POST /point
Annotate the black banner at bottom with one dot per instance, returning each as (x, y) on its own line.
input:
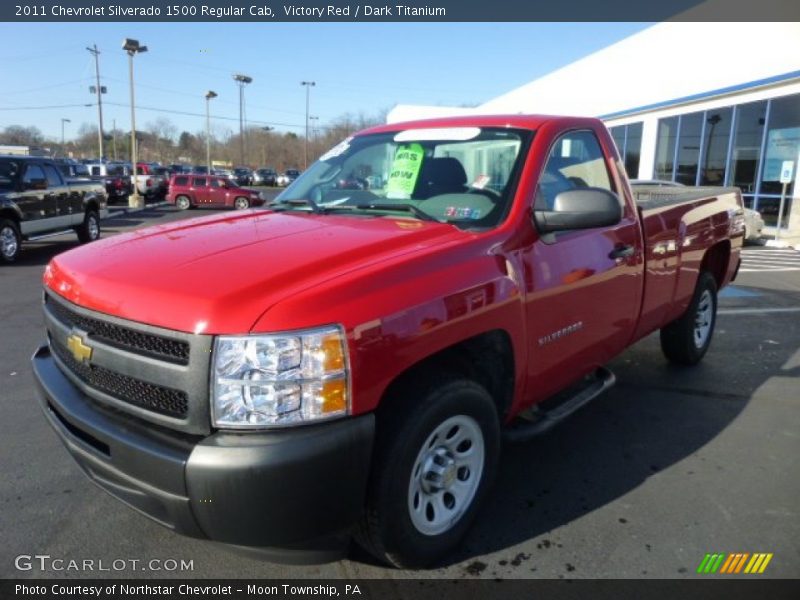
(411, 589)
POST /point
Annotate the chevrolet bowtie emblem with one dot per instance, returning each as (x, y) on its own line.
(80, 351)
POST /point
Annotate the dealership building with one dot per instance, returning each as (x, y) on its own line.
(695, 103)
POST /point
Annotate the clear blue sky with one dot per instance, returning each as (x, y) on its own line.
(359, 67)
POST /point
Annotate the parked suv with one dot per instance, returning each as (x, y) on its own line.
(243, 176)
(265, 177)
(187, 191)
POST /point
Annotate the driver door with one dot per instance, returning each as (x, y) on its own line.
(583, 286)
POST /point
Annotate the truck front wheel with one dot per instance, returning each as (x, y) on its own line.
(686, 340)
(434, 463)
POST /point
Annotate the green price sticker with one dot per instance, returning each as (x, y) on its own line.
(405, 171)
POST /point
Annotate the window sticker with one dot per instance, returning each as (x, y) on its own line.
(338, 149)
(462, 212)
(404, 172)
(481, 181)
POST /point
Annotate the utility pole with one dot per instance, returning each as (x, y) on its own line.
(308, 85)
(114, 133)
(93, 50)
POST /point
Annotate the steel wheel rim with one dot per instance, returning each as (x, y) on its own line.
(93, 227)
(703, 318)
(446, 474)
(8, 242)
(241, 204)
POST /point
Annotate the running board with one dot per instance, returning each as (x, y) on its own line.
(540, 419)
(36, 238)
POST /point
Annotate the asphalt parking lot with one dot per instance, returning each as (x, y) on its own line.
(671, 464)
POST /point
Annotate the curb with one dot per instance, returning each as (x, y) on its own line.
(124, 210)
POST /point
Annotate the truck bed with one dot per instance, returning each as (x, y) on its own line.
(656, 196)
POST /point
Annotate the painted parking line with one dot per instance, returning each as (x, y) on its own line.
(757, 311)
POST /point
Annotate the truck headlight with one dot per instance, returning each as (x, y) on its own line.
(260, 381)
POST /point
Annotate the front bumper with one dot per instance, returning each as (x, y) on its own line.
(277, 489)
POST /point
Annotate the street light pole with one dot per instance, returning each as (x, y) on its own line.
(267, 129)
(209, 96)
(241, 80)
(307, 85)
(62, 132)
(133, 47)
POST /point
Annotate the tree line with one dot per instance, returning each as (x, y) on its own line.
(160, 140)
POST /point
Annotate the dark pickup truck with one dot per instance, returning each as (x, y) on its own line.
(36, 200)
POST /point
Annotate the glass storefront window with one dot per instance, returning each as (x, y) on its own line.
(689, 148)
(783, 143)
(715, 146)
(618, 133)
(750, 119)
(665, 147)
(628, 139)
(633, 149)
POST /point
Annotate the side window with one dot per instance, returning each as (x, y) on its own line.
(575, 161)
(33, 173)
(199, 182)
(53, 178)
(216, 183)
(96, 171)
(181, 181)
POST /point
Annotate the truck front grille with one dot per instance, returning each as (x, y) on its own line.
(155, 374)
(157, 398)
(150, 345)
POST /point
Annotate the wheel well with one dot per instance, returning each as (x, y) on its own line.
(716, 260)
(487, 359)
(92, 205)
(9, 214)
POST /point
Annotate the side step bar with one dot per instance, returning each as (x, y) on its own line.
(541, 419)
(36, 238)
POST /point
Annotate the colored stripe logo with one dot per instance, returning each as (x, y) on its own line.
(734, 563)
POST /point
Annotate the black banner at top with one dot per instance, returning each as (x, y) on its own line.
(396, 10)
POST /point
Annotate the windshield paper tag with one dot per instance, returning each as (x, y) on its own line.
(338, 149)
(405, 171)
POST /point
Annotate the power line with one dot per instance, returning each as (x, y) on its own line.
(47, 87)
(46, 107)
(217, 117)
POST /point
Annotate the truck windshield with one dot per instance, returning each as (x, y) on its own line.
(9, 169)
(459, 175)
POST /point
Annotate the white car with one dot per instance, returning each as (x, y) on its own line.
(753, 224)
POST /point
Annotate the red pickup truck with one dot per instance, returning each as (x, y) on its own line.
(347, 361)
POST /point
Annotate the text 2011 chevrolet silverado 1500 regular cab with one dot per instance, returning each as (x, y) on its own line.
(346, 361)
(36, 200)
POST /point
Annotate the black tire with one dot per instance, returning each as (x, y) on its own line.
(241, 203)
(89, 230)
(183, 202)
(686, 340)
(10, 241)
(404, 445)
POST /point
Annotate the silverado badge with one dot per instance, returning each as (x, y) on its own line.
(80, 351)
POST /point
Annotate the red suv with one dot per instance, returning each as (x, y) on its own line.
(186, 191)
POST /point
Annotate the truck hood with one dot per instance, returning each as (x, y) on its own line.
(218, 274)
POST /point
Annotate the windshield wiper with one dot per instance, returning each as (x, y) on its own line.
(315, 208)
(420, 214)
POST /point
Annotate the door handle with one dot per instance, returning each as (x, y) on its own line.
(622, 251)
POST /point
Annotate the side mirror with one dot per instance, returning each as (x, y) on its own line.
(580, 209)
(36, 184)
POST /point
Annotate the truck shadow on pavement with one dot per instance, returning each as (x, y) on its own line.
(655, 417)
